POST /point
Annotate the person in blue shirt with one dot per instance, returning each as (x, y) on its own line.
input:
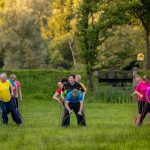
(11, 81)
(74, 101)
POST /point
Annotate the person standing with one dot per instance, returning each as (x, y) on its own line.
(7, 101)
(58, 92)
(140, 90)
(16, 93)
(147, 106)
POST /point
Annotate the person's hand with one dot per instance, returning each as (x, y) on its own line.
(62, 98)
(16, 95)
(59, 101)
(20, 99)
(12, 95)
(141, 96)
(132, 95)
(80, 113)
(70, 111)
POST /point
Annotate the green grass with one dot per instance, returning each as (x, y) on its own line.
(109, 126)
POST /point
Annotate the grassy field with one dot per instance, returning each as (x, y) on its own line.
(109, 126)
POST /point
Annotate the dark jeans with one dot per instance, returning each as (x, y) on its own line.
(66, 115)
(141, 105)
(15, 102)
(146, 110)
(9, 107)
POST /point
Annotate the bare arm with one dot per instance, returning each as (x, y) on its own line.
(20, 93)
(137, 93)
(12, 88)
(55, 96)
(62, 95)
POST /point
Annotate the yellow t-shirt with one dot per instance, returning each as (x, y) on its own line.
(5, 91)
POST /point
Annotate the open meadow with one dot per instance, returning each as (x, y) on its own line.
(109, 125)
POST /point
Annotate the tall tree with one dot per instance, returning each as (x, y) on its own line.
(62, 25)
(1, 22)
(21, 38)
(140, 9)
(88, 34)
(96, 21)
(125, 43)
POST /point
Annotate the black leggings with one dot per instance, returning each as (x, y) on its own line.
(146, 110)
(141, 105)
(66, 116)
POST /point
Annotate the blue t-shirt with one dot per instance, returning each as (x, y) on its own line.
(70, 98)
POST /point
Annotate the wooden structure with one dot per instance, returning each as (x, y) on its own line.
(114, 77)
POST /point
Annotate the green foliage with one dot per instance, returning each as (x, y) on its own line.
(63, 14)
(88, 35)
(21, 37)
(108, 94)
(37, 34)
(59, 52)
(122, 45)
(139, 9)
(61, 27)
(96, 21)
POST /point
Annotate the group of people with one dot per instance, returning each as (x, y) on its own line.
(142, 89)
(72, 93)
(10, 91)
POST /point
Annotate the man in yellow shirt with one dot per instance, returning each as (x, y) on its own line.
(7, 102)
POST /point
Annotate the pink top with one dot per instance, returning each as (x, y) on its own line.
(142, 88)
(59, 90)
(18, 85)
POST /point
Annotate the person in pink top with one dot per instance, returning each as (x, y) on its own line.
(147, 106)
(140, 90)
(58, 91)
(17, 91)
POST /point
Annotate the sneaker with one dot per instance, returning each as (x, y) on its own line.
(20, 125)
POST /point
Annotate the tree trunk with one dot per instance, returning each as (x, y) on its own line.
(71, 46)
(89, 77)
(147, 50)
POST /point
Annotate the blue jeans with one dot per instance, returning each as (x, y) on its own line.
(9, 107)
